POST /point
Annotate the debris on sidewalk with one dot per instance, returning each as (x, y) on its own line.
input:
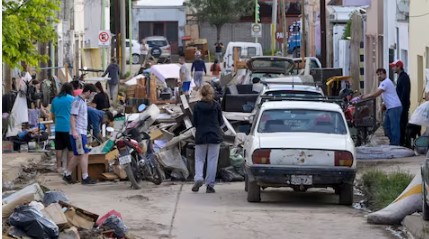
(36, 214)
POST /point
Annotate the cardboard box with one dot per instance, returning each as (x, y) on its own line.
(79, 217)
(155, 134)
(97, 165)
(120, 171)
(112, 155)
(56, 214)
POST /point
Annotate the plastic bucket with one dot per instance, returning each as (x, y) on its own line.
(421, 144)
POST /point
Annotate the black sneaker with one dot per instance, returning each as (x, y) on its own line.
(88, 180)
(197, 186)
(68, 179)
(210, 189)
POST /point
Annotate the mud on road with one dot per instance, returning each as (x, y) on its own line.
(171, 210)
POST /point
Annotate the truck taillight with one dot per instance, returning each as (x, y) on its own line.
(343, 158)
(261, 156)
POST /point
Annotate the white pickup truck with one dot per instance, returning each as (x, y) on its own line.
(300, 144)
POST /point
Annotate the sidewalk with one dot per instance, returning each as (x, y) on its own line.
(13, 163)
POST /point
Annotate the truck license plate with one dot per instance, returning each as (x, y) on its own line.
(125, 159)
(301, 179)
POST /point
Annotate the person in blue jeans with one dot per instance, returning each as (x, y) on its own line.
(199, 66)
(393, 105)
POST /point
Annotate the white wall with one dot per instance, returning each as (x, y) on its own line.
(356, 2)
(154, 14)
(92, 23)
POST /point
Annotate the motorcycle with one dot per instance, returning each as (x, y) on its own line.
(136, 155)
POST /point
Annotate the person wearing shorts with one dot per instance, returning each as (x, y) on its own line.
(60, 111)
(78, 132)
(185, 76)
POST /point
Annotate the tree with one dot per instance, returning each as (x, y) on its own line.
(26, 23)
(219, 12)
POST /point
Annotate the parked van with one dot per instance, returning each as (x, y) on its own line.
(246, 50)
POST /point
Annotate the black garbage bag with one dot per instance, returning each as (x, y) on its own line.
(53, 197)
(31, 221)
(229, 174)
(116, 224)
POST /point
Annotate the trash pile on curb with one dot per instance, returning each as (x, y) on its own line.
(172, 136)
(40, 213)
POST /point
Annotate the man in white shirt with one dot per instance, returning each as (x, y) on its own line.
(393, 105)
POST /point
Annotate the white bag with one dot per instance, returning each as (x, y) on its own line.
(421, 115)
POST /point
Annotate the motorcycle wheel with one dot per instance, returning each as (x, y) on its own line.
(155, 170)
(130, 176)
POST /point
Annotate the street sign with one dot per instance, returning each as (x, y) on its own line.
(256, 30)
(104, 38)
(280, 36)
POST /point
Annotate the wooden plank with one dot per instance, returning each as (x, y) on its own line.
(110, 176)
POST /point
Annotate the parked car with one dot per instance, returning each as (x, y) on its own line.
(300, 144)
(135, 51)
(246, 50)
(425, 188)
(158, 47)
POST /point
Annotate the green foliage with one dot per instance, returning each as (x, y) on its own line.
(382, 188)
(26, 23)
(347, 30)
(219, 12)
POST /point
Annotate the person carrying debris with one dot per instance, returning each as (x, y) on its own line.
(60, 111)
(207, 119)
(78, 132)
(393, 105)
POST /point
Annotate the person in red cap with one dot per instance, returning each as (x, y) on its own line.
(403, 88)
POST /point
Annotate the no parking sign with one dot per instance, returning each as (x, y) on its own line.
(104, 38)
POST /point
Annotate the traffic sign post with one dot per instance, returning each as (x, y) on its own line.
(256, 30)
(104, 38)
(280, 36)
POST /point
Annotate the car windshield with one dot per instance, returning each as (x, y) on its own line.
(156, 43)
(301, 120)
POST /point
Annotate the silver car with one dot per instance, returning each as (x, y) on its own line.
(158, 47)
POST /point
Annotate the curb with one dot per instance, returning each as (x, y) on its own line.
(415, 225)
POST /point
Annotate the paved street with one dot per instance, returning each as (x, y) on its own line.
(171, 210)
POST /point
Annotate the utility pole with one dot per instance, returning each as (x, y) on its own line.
(323, 31)
(284, 24)
(103, 27)
(256, 16)
(130, 34)
(123, 35)
(303, 34)
(273, 27)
